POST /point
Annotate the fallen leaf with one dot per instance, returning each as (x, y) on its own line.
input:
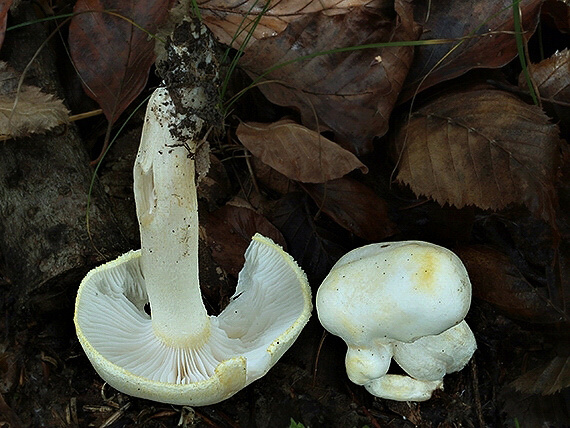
(533, 409)
(297, 152)
(490, 21)
(482, 147)
(352, 93)
(547, 379)
(354, 206)
(559, 12)
(215, 187)
(228, 232)
(272, 179)
(4, 8)
(111, 54)
(34, 111)
(551, 80)
(232, 21)
(309, 245)
(551, 77)
(497, 281)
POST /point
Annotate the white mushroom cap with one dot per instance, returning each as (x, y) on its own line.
(401, 290)
(405, 300)
(271, 305)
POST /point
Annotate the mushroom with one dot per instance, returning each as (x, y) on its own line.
(174, 352)
(402, 300)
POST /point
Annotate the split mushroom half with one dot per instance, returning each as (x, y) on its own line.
(401, 300)
(175, 352)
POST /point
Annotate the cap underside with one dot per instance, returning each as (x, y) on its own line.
(271, 305)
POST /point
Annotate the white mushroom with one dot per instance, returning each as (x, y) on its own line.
(402, 300)
(179, 354)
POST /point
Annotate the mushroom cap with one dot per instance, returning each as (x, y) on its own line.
(270, 307)
(393, 291)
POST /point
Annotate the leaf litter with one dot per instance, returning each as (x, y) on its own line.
(484, 42)
(456, 150)
(351, 93)
(232, 21)
(477, 147)
(297, 152)
(112, 55)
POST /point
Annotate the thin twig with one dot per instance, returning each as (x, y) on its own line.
(315, 369)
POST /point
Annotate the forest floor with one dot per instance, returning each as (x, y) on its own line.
(467, 162)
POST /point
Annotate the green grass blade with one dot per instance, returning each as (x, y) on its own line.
(521, 51)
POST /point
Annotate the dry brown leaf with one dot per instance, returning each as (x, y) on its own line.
(271, 179)
(352, 93)
(297, 152)
(215, 187)
(228, 233)
(551, 77)
(547, 379)
(481, 147)
(314, 248)
(34, 112)
(226, 18)
(497, 281)
(113, 53)
(493, 45)
(4, 8)
(559, 12)
(355, 207)
(534, 410)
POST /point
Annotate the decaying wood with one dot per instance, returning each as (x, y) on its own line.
(44, 184)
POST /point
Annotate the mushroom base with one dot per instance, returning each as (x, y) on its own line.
(426, 361)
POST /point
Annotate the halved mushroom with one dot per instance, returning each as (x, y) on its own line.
(175, 352)
(402, 300)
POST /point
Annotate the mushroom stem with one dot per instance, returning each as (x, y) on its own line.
(168, 219)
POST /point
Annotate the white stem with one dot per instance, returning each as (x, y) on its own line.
(167, 210)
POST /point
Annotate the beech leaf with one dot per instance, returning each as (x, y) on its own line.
(232, 21)
(4, 8)
(547, 379)
(306, 243)
(271, 179)
(481, 147)
(354, 206)
(490, 21)
(297, 152)
(551, 76)
(228, 232)
(351, 93)
(497, 281)
(112, 55)
(34, 111)
(559, 12)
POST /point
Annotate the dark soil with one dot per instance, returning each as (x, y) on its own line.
(47, 381)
